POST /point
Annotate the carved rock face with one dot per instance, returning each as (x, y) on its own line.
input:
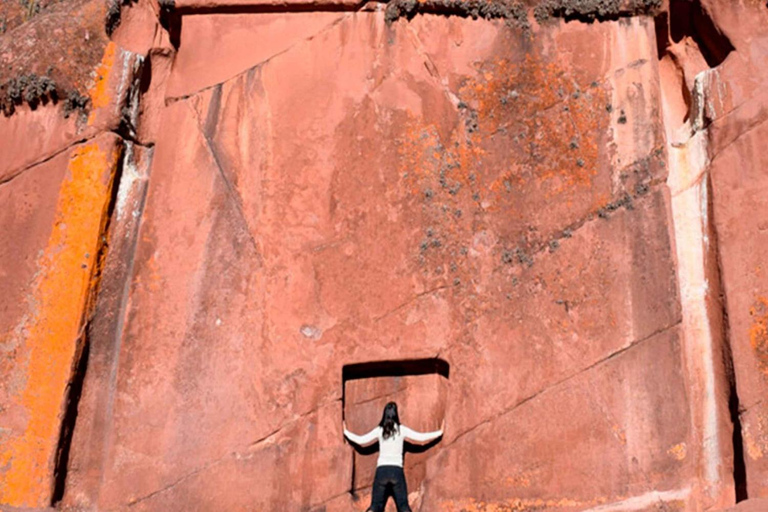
(564, 213)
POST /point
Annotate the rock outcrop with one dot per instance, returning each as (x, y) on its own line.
(230, 225)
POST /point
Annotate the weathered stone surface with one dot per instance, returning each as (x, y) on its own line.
(138, 29)
(731, 99)
(105, 330)
(61, 40)
(567, 213)
(752, 505)
(6, 508)
(418, 206)
(741, 186)
(33, 136)
(288, 5)
(58, 164)
(60, 209)
(612, 423)
(245, 39)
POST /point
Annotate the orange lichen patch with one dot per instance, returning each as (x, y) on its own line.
(100, 92)
(440, 174)
(424, 155)
(535, 504)
(754, 448)
(528, 122)
(755, 432)
(529, 135)
(518, 505)
(758, 332)
(550, 122)
(419, 152)
(619, 434)
(679, 451)
(58, 302)
(522, 479)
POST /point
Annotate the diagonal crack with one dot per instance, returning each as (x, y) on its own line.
(320, 504)
(754, 126)
(258, 64)
(432, 69)
(176, 482)
(232, 454)
(11, 175)
(743, 410)
(290, 422)
(236, 199)
(623, 202)
(531, 397)
(378, 397)
(19, 171)
(410, 301)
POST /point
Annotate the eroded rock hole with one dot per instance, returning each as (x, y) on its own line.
(688, 43)
(420, 388)
(689, 20)
(677, 95)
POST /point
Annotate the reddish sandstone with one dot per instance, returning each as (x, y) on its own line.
(567, 214)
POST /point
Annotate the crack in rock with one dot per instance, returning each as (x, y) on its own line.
(533, 396)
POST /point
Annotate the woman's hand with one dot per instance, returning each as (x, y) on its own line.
(442, 426)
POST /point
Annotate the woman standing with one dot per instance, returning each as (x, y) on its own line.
(389, 468)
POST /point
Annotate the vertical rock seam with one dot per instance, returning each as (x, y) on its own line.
(125, 171)
(690, 47)
(80, 365)
(54, 334)
(739, 463)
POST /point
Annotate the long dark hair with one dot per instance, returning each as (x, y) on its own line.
(390, 421)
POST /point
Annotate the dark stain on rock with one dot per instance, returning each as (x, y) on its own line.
(516, 255)
(593, 10)
(624, 201)
(515, 13)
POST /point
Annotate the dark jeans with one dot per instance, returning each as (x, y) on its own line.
(390, 480)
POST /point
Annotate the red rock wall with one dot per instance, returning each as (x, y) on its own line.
(565, 211)
(58, 171)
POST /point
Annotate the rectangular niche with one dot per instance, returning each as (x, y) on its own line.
(420, 388)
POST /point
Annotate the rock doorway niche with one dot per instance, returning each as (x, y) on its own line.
(420, 388)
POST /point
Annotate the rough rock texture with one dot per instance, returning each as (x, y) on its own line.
(34, 71)
(47, 294)
(753, 505)
(56, 180)
(720, 52)
(261, 195)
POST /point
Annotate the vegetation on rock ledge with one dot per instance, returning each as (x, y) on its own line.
(514, 12)
(593, 10)
(30, 89)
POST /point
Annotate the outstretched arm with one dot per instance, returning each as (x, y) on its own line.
(364, 439)
(420, 437)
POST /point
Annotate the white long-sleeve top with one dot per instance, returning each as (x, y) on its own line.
(391, 449)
